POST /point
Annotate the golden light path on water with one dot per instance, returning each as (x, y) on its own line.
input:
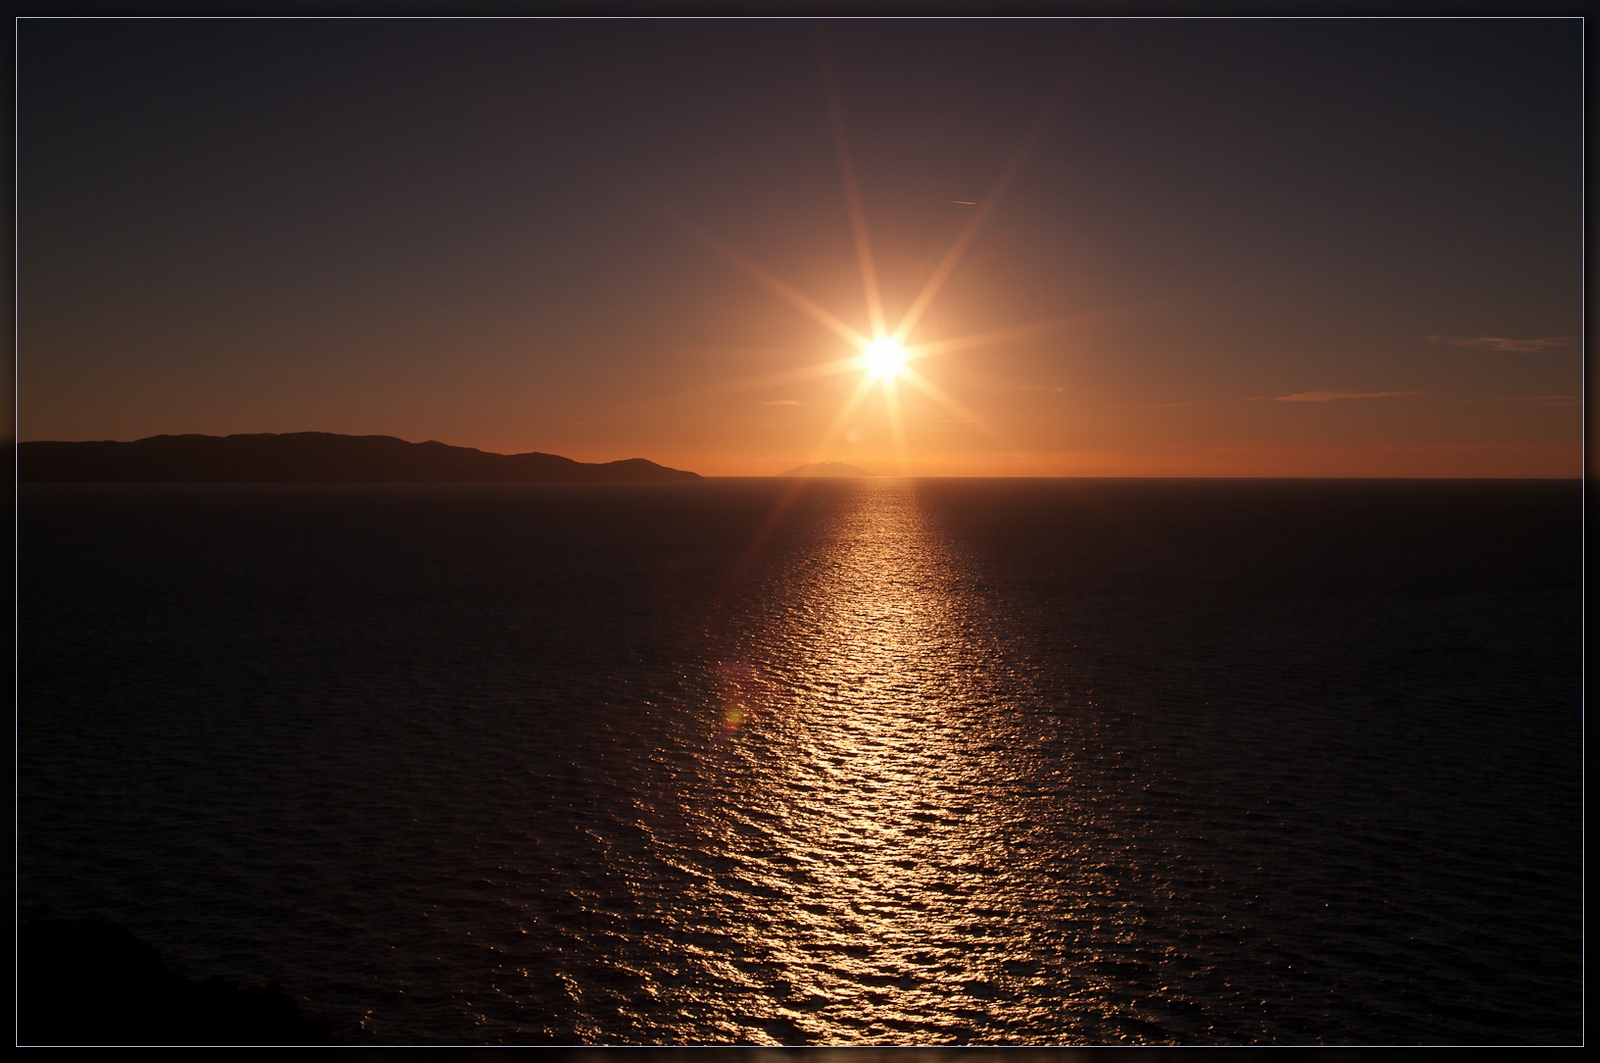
(880, 796)
(885, 865)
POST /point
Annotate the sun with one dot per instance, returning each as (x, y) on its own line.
(883, 358)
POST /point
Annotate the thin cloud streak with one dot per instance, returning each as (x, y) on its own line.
(1505, 344)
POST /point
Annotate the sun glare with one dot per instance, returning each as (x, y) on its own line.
(883, 359)
(886, 349)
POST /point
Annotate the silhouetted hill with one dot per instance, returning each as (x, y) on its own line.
(827, 468)
(311, 457)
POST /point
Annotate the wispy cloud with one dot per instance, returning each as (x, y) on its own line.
(783, 402)
(1335, 396)
(1505, 343)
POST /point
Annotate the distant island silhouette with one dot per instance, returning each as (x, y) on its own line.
(311, 457)
(827, 468)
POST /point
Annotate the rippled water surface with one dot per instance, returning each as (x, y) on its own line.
(876, 762)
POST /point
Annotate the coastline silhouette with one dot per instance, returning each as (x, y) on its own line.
(311, 457)
(827, 468)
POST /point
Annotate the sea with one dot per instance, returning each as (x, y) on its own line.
(838, 762)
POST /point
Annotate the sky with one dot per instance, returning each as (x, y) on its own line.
(1143, 247)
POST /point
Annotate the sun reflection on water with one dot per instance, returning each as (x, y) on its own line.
(866, 852)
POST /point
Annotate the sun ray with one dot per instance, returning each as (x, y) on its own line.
(795, 376)
(883, 355)
(790, 294)
(897, 425)
(852, 194)
(853, 363)
(846, 411)
(780, 507)
(939, 395)
(793, 296)
(969, 232)
(986, 339)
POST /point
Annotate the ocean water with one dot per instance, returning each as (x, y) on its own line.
(852, 762)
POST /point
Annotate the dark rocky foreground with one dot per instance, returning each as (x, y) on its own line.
(311, 457)
(90, 982)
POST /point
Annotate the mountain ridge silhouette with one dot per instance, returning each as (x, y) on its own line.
(827, 469)
(311, 457)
